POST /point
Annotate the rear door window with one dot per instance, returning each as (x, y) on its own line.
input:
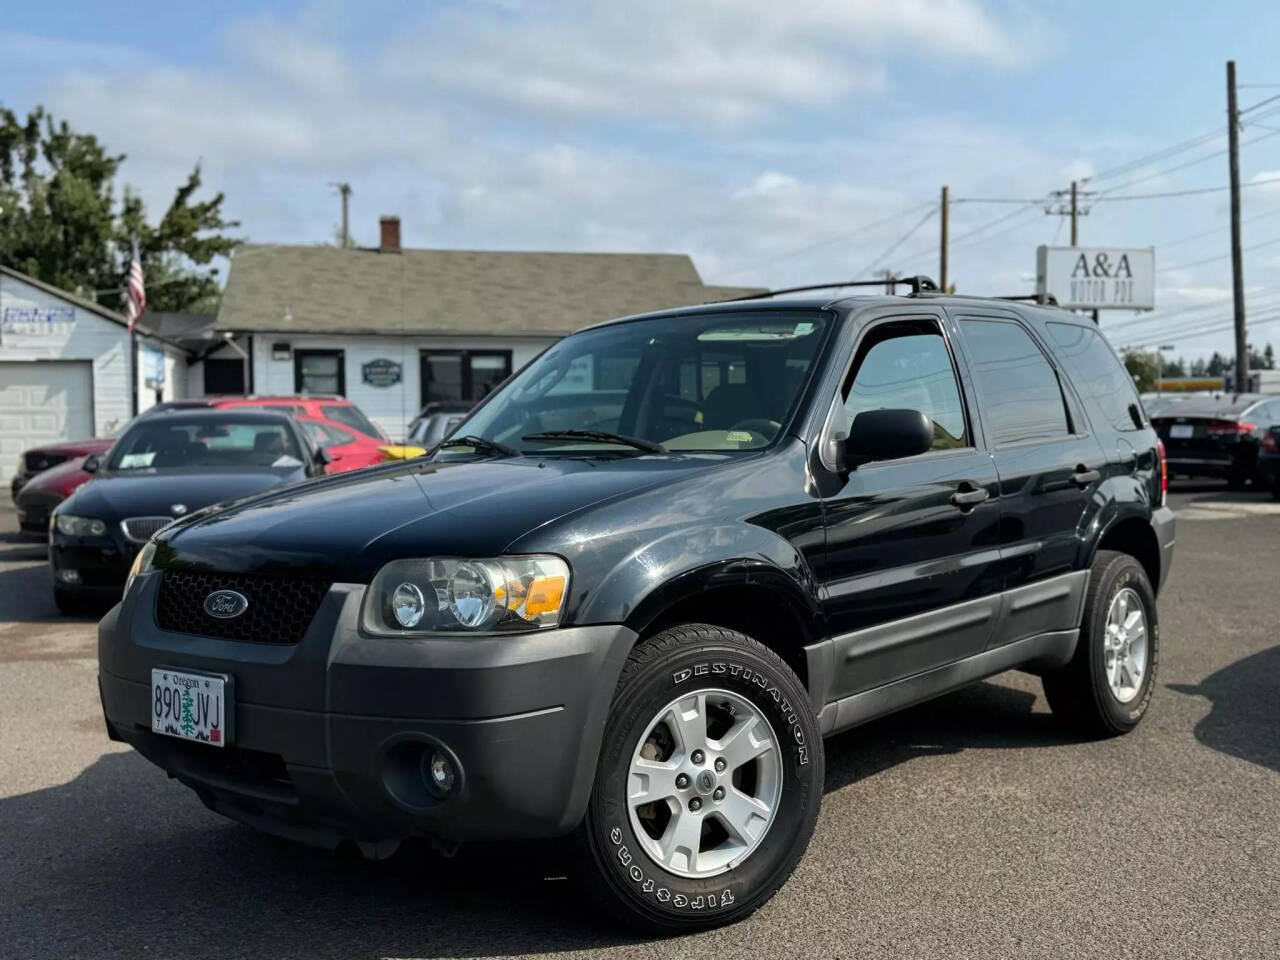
(1021, 396)
(1099, 376)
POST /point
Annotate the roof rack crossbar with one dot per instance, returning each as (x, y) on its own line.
(1044, 299)
(919, 284)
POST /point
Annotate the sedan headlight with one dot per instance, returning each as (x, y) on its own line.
(448, 595)
(73, 526)
(141, 564)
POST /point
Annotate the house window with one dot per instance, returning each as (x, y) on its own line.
(319, 371)
(462, 376)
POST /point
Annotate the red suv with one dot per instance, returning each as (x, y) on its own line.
(340, 410)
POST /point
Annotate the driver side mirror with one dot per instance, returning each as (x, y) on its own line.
(885, 435)
(323, 456)
(91, 464)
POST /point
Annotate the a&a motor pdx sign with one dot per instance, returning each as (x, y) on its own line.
(1098, 278)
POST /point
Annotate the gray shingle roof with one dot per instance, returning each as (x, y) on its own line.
(478, 292)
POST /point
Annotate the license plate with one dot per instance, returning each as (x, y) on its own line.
(191, 706)
(1182, 431)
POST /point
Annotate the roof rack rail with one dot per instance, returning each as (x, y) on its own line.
(919, 284)
(1044, 299)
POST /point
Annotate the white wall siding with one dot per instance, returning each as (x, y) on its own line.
(89, 337)
(390, 407)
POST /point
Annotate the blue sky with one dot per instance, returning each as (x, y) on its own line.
(761, 138)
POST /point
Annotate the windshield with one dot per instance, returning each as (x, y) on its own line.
(171, 445)
(700, 382)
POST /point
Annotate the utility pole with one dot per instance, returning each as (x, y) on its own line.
(1069, 204)
(344, 189)
(1075, 214)
(1237, 269)
(942, 251)
(889, 287)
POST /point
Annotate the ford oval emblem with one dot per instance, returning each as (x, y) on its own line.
(225, 604)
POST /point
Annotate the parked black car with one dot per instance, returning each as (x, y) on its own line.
(644, 579)
(1269, 462)
(1217, 436)
(164, 466)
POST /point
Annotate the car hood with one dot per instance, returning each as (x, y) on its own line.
(117, 496)
(343, 527)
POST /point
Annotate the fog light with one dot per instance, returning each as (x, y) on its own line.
(69, 576)
(408, 605)
(440, 775)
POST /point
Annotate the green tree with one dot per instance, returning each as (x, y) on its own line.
(1144, 367)
(61, 221)
(1218, 365)
(1174, 368)
(1268, 358)
(1198, 367)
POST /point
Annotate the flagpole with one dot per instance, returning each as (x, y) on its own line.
(133, 366)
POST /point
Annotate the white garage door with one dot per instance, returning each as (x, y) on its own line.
(42, 403)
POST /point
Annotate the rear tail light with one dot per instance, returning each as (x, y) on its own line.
(1237, 428)
(1164, 472)
(1269, 443)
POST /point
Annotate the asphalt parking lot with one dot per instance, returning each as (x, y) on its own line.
(970, 826)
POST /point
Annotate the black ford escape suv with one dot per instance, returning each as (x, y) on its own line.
(646, 577)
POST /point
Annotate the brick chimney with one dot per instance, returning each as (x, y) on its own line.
(390, 235)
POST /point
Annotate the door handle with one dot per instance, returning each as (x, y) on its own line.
(969, 495)
(1084, 476)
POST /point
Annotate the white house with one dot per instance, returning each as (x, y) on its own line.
(67, 371)
(393, 329)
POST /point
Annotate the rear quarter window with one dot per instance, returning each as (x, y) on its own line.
(1099, 376)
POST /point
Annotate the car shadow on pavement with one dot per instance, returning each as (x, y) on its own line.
(983, 715)
(1245, 719)
(118, 861)
(26, 596)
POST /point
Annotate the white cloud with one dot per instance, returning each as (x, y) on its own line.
(726, 62)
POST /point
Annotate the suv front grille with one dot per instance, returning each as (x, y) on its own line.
(280, 609)
(142, 529)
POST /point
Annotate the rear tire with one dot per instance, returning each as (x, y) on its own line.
(1106, 688)
(630, 852)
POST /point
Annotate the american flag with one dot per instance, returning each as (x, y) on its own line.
(137, 291)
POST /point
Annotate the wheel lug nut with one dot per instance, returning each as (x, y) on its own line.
(682, 781)
(695, 804)
(720, 764)
(698, 756)
(718, 795)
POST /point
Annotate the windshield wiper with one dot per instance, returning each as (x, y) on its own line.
(480, 443)
(598, 436)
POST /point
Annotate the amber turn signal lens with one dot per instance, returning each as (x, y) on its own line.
(545, 596)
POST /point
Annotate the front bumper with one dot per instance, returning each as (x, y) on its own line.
(1165, 526)
(102, 562)
(329, 733)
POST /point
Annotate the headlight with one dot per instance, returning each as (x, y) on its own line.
(141, 564)
(409, 597)
(80, 526)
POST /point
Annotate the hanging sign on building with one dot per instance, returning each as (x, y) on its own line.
(380, 373)
(1098, 278)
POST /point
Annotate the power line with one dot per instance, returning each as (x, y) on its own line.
(1259, 104)
(827, 241)
(899, 242)
(1185, 193)
(1154, 157)
(1226, 256)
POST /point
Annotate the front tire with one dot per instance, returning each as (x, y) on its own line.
(1106, 688)
(708, 786)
